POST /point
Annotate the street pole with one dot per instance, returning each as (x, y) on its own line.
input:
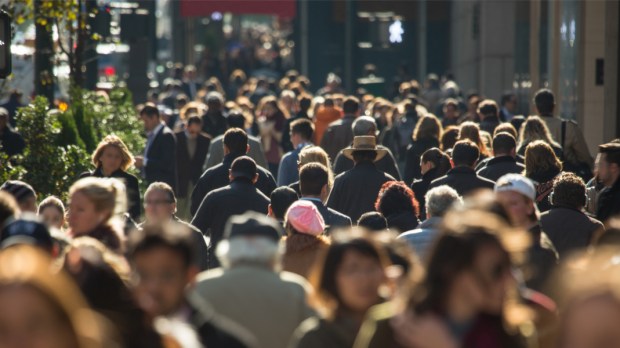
(349, 45)
(421, 40)
(43, 65)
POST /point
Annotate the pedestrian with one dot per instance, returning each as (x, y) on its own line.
(471, 131)
(280, 200)
(301, 131)
(314, 154)
(373, 221)
(52, 212)
(425, 136)
(305, 102)
(398, 204)
(542, 166)
(23, 193)
(534, 128)
(608, 173)
(504, 159)
(323, 116)
(271, 124)
(508, 106)
(489, 115)
(339, 133)
(433, 164)
(12, 142)
(214, 120)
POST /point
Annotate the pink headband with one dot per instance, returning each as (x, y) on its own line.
(305, 218)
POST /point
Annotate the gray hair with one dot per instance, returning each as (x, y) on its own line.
(440, 199)
(364, 125)
(260, 251)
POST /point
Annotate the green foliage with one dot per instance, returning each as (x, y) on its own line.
(9, 170)
(68, 133)
(83, 112)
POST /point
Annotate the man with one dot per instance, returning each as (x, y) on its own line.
(161, 257)
(314, 186)
(216, 151)
(517, 195)
(192, 147)
(332, 85)
(565, 132)
(324, 116)
(450, 112)
(237, 198)
(438, 201)
(249, 289)
(301, 131)
(509, 106)
(463, 177)
(504, 160)
(355, 191)
(489, 116)
(159, 160)
(366, 125)
(23, 193)
(190, 84)
(403, 127)
(214, 120)
(11, 142)
(566, 224)
(235, 146)
(14, 103)
(281, 199)
(160, 206)
(339, 133)
(304, 102)
(608, 169)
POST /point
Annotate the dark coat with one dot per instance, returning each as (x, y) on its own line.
(12, 142)
(134, 204)
(541, 260)
(355, 191)
(387, 164)
(302, 252)
(569, 229)
(497, 167)
(464, 180)
(190, 169)
(214, 123)
(219, 205)
(420, 188)
(161, 159)
(331, 217)
(609, 202)
(412, 160)
(402, 221)
(338, 136)
(488, 124)
(315, 332)
(217, 177)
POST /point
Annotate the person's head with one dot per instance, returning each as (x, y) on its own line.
(149, 114)
(434, 158)
(569, 191)
(194, 125)
(111, 155)
(42, 308)
(93, 202)
(608, 163)
(162, 260)
(348, 277)
(303, 217)
(52, 211)
(364, 125)
(4, 119)
(449, 137)
(23, 193)
(373, 221)
(351, 106)
(281, 199)
(160, 203)
(488, 109)
(395, 197)
(305, 102)
(235, 119)
(471, 131)
(540, 158)
(251, 239)
(534, 128)
(243, 168)
(451, 108)
(301, 131)
(544, 101)
(428, 127)
(215, 100)
(517, 195)
(8, 207)
(506, 128)
(504, 144)
(314, 181)
(465, 153)
(236, 141)
(440, 199)
(364, 149)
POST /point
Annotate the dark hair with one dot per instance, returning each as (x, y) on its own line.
(351, 105)
(611, 151)
(173, 236)
(312, 178)
(544, 101)
(506, 128)
(236, 140)
(449, 137)
(503, 143)
(465, 153)
(303, 127)
(149, 110)
(194, 119)
(506, 96)
(488, 108)
(396, 197)
(328, 102)
(235, 119)
(304, 102)
(373, 221)
(441, 161)
(569, 190)
(363, 155)
(281, 200)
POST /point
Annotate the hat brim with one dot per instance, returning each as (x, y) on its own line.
(348, 153)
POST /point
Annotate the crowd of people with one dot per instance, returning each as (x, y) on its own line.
(277, 217)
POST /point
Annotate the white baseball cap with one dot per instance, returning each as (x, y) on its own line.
(517, 183)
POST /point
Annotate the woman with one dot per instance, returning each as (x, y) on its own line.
(449, 137)
(93, 206)
(271, 123)
(52, 211)
(542, 166)
(112, 159)
(470, 130)
(347, 284)
(312, 154)
(397, 203)
(433, 164)
(304, 237)
(41, 308)
(426, 135)
(534, 128)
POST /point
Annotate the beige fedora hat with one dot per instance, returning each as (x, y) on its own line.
(364, 143)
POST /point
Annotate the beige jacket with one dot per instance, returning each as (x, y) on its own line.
(574, 147)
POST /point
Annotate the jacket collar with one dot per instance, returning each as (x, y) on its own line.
(99, 173)
(462, 170)
(501, 159)
(229, 158)
(431, 222)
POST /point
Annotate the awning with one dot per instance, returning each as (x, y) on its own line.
(204, 8)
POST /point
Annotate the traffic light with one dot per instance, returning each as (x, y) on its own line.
(5, 44)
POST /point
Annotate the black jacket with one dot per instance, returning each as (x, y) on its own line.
(412, 161)
(464, 180)
(402, 221)
(214, 123)
(161, 159)
(12, 142)
(497, 167)
(488, 124)
(190, 169)
(543, 182)
(134, 204)
(609, 202)
(219, 205)
(217, 177)
(331, 217)
(355, 191)
(542, 259)
(420, 188)
(387, 164)
(569, 229)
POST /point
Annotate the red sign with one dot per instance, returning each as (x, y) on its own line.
(204, 8)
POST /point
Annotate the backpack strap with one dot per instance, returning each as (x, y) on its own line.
(563, 133)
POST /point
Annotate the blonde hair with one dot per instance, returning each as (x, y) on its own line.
(539, 157)
(470, 130)
(113, 140)
(315, 154)
(534, 128)
(428, 127)
(106, 194)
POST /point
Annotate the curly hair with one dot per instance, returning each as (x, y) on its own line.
(395, 197)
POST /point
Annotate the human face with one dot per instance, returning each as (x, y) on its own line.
(161, 279)
(83, 217)
(28, 205)
(52, 217)
(194, 129)
(425, 166)
(605, 170)
(511, 105)
(592, 323)
(158, 207)
(149, 122)
(111, 159)
(29, 320)
(358, 279)
(517, 206)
